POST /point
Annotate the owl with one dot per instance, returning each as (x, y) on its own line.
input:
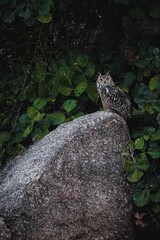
(112, 97)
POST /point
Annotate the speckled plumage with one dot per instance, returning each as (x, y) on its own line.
(112, 97)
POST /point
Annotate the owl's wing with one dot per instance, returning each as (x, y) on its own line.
(116, 100)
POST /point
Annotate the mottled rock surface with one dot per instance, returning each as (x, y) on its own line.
(4, 231)
(70, 185)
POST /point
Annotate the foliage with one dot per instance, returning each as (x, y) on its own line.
(50, 94)
(29, 11)
(45, 81)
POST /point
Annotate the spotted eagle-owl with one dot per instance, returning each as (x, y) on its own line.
(112, 97)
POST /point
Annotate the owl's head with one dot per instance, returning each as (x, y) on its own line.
(105, 80)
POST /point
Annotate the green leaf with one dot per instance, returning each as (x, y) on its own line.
(65, 91)
(135, 176)
(143, 163)
(4, 136)
(154, 83)
(156, 136)
(155, 197)
(90, 69)
(156, 106)
(69, 105)
(92, 92)
(40, 103)
(44, 18)
(146, 137)
(50, 2)
(65, 73)
(129, 79)
(129, 166)
(44, 9)
(78, 114)
(154, 152)
(150, 130)
(149, 108)
(38, 117)
(82, 60)
(28, 130)
(32, 112)
(80, 88)
(25, 13)
(136, 12)
(37, 134)
(139, 143)
(141, 197)
(9, 17)
(56, 118)
(143, 63)
(54, 82)
(23, 119)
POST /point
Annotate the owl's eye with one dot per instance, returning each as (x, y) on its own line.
(100, 79)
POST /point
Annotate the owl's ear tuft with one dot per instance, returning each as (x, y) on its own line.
(108, 73)
(99, 74)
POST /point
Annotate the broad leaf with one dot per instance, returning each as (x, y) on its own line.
(139, 143)
(129, 79)
(156, 136)
(32, 112)
(135, 176)
(143, 163)
(92, 92)
(154, 83)
(38, 117)
(44, 9)
(69, 105)
(28, 130)
(26, 13)
(9, 17)
(44, 18)
(90, 69)
(154, 152)
(80, 88)
(4, 136)
(141, 197)
(65, 91)
(143, 63)
(82, 60)
(129, 166)
(56, 118)
(40, 103)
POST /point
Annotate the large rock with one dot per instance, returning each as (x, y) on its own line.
(70, 185)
